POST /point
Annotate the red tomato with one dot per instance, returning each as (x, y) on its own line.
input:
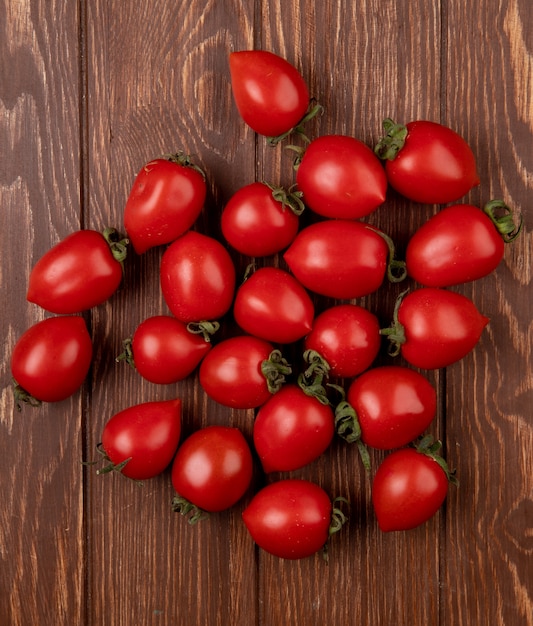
(257, 223)
(165, 200)
(340, 177)
(165, 351)
(394, 405)
(459, 244)
(427, 162)
(339, 258)
(434, 328)
(197, 278)
(51, 359)
(289, 518)
(270, 94)
(141, 441)
(213, 468)
(81, 271)
(347, 337)
(231, 374)
(272, 305)
(292, 429)
(408, 489)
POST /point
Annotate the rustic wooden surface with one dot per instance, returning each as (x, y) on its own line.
(89, 91)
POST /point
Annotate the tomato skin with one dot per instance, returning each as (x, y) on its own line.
(338, 258)
(394, 405)
(441, 327)
(457, 245)
(341, 178)
(435, 165)
(52, 358)
(213, 468)
(270, 93)
(292, 430)
(231, 373)
(197, 278)
(164, 202)
(76, 274)
(408, 489)
(289, 518)
(148, 434)
(256, 224)
(164, 351)
(272, 305)
(347, 337)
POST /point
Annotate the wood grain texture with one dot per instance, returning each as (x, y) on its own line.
(89, 92)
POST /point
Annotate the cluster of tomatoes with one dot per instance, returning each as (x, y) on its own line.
(336, 256)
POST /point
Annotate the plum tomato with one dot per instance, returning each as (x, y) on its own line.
(165, 200)
(427, 162)
(409, 487)
(347, 336)
(259, 220)
(241, 372)
(342, 259)
(197, 278)
(141, 440)
(270, 94)
(164, 350)
(433, 328)
(291, 518)
(292, 429)
(212, 470)
(78, 273)
(394, 405)
(51, 359)
(460, 244)
(271, 304)
(340, 177)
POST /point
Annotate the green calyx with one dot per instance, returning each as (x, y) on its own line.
(395, 333)
(205, 328)
(112, 467)
(189, 510)
(313, 110)
(117, 244)
(431, 448)
(183, 159)
(392, 142)
(503, 219)
(288, 198)
(338, 520)
(23, 397)
(396, 270)
(311, 380)
(275, 369)
(127, 353)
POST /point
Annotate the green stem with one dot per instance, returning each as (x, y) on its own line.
(183, 159)
(396, 270)
(127, 353)
(23, 397)
(117, 244)
(428, 446)
(288, 198)
(503, 219)
(393, 141)
(396, 332)
(275, 369)
(205, 328)
(184, 507)
(311, 380)
(313, 110)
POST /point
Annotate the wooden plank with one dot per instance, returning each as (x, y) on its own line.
(364, 62)
(41, 516)
(158, 81)
(487, 567)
